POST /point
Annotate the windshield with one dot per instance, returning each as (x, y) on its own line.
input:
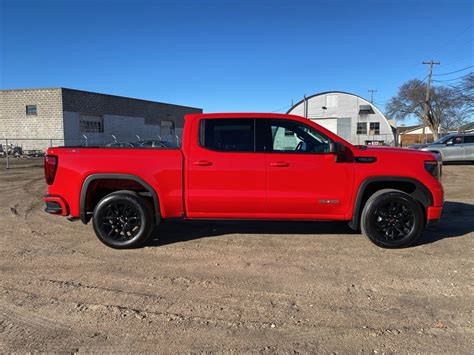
(442, 140)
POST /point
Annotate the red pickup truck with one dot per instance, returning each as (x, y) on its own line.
(246, 166)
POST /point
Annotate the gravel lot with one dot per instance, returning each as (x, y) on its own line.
(232, 286)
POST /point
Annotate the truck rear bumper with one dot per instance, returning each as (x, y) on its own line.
(55, 205)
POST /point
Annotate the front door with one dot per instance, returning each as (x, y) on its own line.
(225, 177)
(304, 180)
(454, 150)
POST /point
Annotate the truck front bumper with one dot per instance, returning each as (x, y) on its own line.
(55, 205)
(434, 214)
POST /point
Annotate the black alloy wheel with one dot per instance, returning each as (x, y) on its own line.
(392, 219)
(123, 219)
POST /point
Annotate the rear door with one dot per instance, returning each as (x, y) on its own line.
(469, 148)
(303, 180)
(225, 176)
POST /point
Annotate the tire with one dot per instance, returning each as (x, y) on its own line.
(123, 220)
(392, 219)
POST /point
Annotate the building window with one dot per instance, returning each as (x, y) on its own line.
(361, 127)
(91, 124)
(31, 110)
(374, 128)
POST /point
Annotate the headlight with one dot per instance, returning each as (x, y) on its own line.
(433, 167)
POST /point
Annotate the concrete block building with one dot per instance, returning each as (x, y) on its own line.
(75, 117)
(350, 116)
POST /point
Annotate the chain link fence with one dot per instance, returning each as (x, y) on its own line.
(16, 152)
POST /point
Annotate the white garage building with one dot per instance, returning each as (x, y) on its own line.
(349, 116)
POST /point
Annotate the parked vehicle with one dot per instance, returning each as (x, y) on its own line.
(247, 166)
(453, 147)
(150, 144)
(120, 145)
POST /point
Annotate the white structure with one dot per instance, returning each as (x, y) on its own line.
(349, 116)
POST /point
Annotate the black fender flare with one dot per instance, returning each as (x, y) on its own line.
(422, 194)
(89, 179)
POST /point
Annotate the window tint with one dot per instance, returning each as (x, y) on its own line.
(287, 136)
(232, 135)
(468, 139)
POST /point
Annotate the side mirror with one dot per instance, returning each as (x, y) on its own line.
(336, 148)
(450, 143)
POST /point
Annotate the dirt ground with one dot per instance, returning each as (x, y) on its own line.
(232, 286)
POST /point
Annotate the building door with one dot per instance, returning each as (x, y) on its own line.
(225, 176)
(344, 128)
(303, 180)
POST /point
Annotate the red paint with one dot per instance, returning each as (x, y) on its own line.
(238, 185)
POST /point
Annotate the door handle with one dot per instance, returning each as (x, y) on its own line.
(202, 163)
(280, 164)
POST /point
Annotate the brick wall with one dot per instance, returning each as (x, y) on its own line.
(47, 123)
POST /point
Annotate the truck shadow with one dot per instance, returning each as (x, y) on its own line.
(172, 232)
(457, 221)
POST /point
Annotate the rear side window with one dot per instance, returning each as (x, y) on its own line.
(228, 135)
(468, 139)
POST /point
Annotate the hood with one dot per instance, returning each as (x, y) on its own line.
(373, 150)
(419, 146)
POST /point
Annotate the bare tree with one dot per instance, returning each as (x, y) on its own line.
(466, 91)
(446, 107)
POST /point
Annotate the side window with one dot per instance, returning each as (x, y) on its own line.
(229, 135)
(295, 137)
(454, 140)
(469, 139)
(457, 140)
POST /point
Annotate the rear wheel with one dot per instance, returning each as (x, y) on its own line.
(392, 219)
(123, 220)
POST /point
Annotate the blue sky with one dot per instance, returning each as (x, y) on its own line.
(231, 55)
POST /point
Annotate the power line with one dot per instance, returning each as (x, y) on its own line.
(453, 79)
(456, 71)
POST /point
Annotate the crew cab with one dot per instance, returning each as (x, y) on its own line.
(246, 166)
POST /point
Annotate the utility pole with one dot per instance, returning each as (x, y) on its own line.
(372, 95)
(427, 100)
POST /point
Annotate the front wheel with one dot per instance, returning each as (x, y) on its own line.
(392, 219)
(122, 220)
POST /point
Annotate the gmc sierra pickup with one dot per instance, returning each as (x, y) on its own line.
(246, 166)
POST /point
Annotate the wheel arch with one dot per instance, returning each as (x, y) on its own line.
(370, 185)
(150, 192)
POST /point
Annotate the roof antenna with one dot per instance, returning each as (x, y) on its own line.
(138, 137)
(115, 138)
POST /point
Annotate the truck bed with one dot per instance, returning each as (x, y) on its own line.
(162, 169)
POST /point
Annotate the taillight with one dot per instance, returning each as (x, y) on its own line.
(50, 165)
(433, 167)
